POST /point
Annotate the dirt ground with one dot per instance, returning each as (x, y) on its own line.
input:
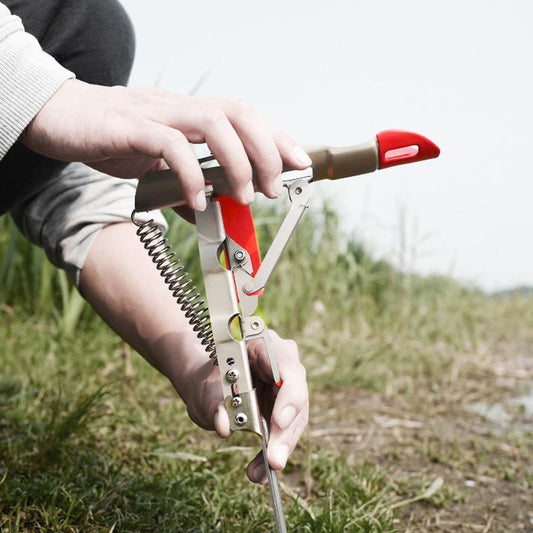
(475, 433)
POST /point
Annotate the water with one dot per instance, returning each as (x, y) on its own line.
(526, 402)
(503, 416)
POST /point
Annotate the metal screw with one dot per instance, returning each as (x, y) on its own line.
(249, 287)
(239, 255)
(255, 325)
(232, 375)
(298, 190)
(240, 419)
(235, 402)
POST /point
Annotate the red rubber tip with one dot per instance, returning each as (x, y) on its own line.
(397, 147)
(279, 383)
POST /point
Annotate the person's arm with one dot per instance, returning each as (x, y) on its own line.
(121, 283)
(28, 78)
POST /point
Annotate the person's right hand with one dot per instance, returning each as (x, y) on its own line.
(127, 132)
(285, 407)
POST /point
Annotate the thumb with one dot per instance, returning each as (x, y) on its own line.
(221, 421)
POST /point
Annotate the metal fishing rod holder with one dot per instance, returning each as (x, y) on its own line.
(233, 273)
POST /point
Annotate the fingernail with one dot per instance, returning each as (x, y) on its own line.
(199, 201)
(282, 454)
(286, 417)
(277, 186)
(301, 156)
(259, 474)
(249, 193)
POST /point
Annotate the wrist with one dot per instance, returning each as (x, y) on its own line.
(183, 360)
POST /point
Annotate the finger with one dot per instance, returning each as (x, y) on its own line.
(282, 442)
(293, 396)
(293, 375)
(291, 153)
(161, 142)
(256, 136)
(227, 147)
(291, 408)
(256, 470)
(201, 121)
(221, 422)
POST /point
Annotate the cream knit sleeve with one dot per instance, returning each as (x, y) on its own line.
(28, 78)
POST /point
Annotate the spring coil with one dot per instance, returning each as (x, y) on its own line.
(178, 281)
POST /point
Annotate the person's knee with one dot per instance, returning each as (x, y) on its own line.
(93, 38)
(116, 40)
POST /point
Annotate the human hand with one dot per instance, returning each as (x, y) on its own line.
(287, 408)
(127, 132)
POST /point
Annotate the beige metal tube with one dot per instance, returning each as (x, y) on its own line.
(160, 189)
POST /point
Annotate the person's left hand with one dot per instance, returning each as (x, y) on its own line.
(287, 407)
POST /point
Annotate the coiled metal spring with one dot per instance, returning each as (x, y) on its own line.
(178, 281)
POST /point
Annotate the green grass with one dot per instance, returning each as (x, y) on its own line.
(84, 446)
(359, 321)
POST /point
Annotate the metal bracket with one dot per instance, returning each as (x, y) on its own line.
(231, 353)
(299, 197)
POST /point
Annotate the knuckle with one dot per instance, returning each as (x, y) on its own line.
(242, 109)
(241, 173)
(277, 167)
(214, 117)
(274, 335)
(282, 139)
(173, 137)
(301, 401)
(271, 168)
(141, 96)
(292, 347)
(190, 185)
(299, 397)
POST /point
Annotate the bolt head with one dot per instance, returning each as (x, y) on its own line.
(239, 255)
(232, 375)
(248, 287)
(235, 402)
(240, 419)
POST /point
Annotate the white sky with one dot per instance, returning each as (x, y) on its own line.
(337, 72)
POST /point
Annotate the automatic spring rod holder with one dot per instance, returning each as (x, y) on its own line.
(234, 283)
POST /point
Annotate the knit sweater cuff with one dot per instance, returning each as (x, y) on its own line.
(28, 78)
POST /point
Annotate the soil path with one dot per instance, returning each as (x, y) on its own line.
(475, 433)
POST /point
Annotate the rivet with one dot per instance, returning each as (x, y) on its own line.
(240, 419)
(239, 255)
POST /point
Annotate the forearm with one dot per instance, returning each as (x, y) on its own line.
(28, 78)
(120, 281)
(122, 284)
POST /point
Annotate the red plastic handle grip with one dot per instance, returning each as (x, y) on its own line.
(397, 147)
